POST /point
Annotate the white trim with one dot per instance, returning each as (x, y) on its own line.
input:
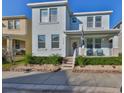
(92, 13)
(52, 3)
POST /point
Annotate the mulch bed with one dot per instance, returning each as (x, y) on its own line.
(37, 68)
(93, 69)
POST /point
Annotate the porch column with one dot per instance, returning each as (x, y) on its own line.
(81, 48)
(9, 45)
(115, 46)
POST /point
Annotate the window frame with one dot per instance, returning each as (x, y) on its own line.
(58, 41)
(98, 22)
(96, 43)
(73, 20)
(91, 43)
(42, 42)
(12, 25)
(90, 22)
(41, 21)
(17, 44)
(50, 15)
(15, 24)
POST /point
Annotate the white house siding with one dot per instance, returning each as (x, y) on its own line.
(115, 46)
(83, 20)
(48, 29)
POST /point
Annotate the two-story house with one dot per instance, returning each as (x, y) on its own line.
(16, 34)
(56, 30)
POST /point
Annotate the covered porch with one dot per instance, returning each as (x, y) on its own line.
(14, 44)
(92, 43)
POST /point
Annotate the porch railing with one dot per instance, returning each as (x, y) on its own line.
(74, 56)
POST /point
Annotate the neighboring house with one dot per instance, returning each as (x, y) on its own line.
(16, 34)
(119, 26)
(56, 30)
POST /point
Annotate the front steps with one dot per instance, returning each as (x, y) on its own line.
(67, 63)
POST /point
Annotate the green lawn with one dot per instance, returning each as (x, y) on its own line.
(7, 66)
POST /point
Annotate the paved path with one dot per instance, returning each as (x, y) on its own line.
(84, 81)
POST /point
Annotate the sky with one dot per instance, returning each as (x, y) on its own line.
(19, 7)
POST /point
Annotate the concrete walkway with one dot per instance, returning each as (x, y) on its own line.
(61, 81)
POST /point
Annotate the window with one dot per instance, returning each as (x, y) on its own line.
(89, 43)
(41, 41)
(55, 41)
(74, 20)
(17, 24)
(17, 44)
(53, 15)
(98, 21)
(44, 15)
(98, 43)
(89, 21)
(10, 24)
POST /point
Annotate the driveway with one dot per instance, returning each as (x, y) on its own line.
(90, 81)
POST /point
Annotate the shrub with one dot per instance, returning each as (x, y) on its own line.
(120, 54)
(28, 58)
(53, 59)
(98, 61)
(79, 60)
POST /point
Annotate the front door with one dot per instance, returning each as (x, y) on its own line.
(74, 44)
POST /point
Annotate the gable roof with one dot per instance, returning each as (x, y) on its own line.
(118, 24)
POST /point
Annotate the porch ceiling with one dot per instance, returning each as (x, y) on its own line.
(17, 37)
(111, 32)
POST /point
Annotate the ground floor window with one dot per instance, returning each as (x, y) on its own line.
(89, 43)
(41, 41)
(97, 42)
(55, 40)
(17, 44)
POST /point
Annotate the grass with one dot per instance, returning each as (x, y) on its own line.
(8, 66)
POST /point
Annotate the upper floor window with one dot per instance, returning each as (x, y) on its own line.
(73, 20)
(90, 21)
(55, 40)
(14, 24)
(17, 24)
(43, 15)
(41, 41)
(53, 15)
(10, 24)
(98, 43)
(48, 15)
(98, 21)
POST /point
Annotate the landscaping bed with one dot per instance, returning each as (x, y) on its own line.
(82, 61)
(99, 69)
(33, 63)
(37, 68)
(98, 64)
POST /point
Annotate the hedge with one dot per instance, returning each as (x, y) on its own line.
(53, 59)
(98, 61)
